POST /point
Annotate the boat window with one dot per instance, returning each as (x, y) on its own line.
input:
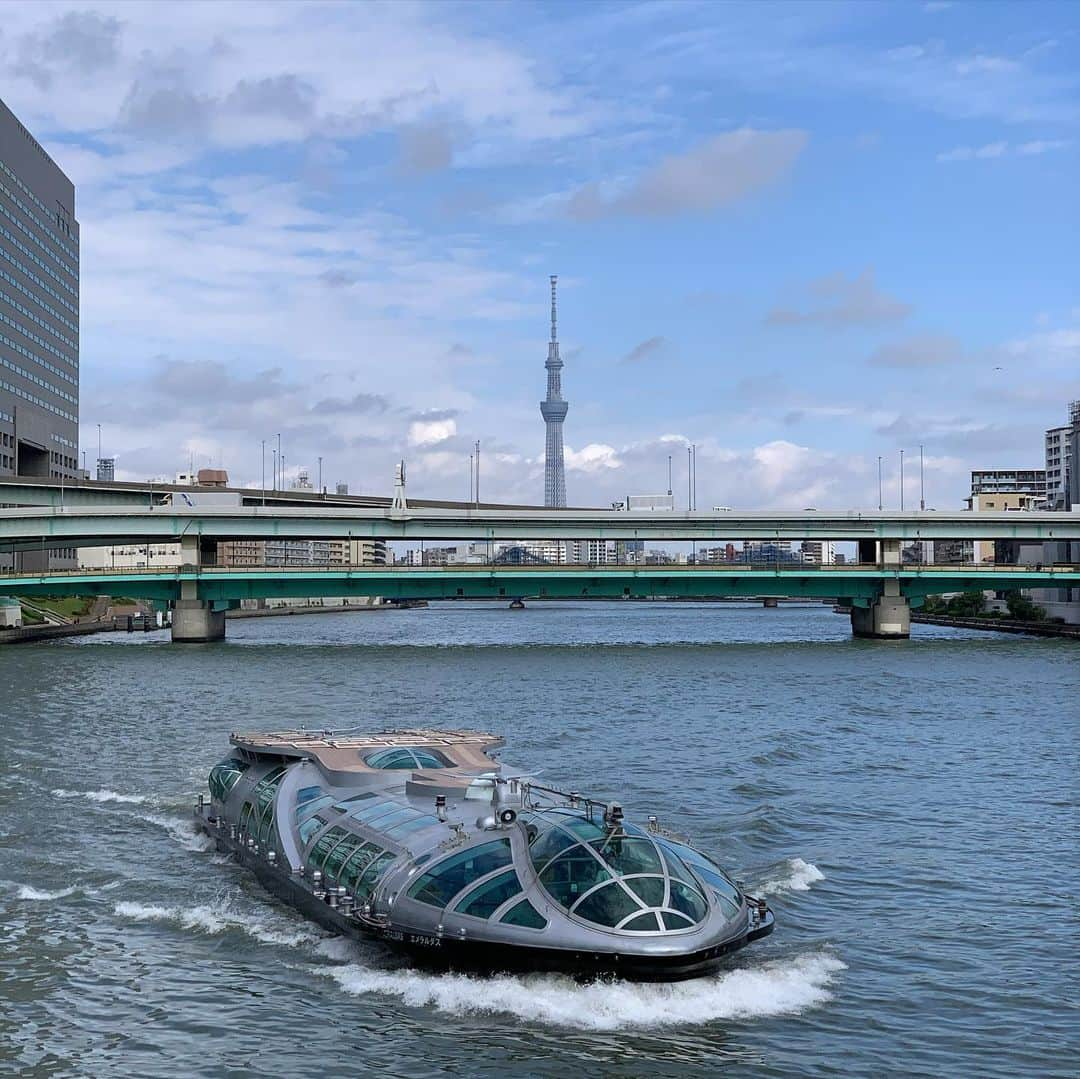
(524, 914)
(486, 898)
(223, 777)
(707, 869)
(399, 831)
(607, 905)
(643, 923)
(441, 883)
(548, 844)
(373, 813)
(336, 858)
(674, 921)
(323, 845)
(305, 794)
(309, 808)
(310, 827)
(245, 816)
(646, 874)
(479, 790)
(688, 901)
(572, 874)
(388, 820)
(412, 757)
(371, 876)
(356, 863)
(650, 890)
(362, 797)
(626, 855)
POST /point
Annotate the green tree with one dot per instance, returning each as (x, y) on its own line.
(967, 605)
(1022, 609)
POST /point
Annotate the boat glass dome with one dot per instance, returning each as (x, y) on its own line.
(621, 878)
(406, 757)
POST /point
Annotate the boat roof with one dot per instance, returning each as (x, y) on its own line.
(338, 749)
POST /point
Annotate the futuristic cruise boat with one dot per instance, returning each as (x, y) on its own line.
(422, 839)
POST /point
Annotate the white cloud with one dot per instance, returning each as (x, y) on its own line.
(595, 457)
(431, 432)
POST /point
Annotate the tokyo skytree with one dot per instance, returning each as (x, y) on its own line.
(553, 409)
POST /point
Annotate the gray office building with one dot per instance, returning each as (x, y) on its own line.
(39, 309)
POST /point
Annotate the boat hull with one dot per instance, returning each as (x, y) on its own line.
(446, 953)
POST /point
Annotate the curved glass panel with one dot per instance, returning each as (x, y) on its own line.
(311, 807)
(337, 857)
(310, 827)
(406, 757)
(525, 914)
(627, 855)
(369, 879)
(688, 901)
(572, 874)
(607, 905)
(441, 883)
(486, 898)
(674, 921)
(548, 844)
(650, 890)
(305, 794)
(223, 777)
(356, 863)
(643, 923)
(648, 874)
(323, 846)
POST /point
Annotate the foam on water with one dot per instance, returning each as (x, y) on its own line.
(778, 988)
(798, 878)
(215, 918)
(183, 831)
(102, 796)
(28, 891)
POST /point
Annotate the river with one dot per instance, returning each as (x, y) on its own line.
(909, 807)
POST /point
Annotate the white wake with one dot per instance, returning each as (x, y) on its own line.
(777, 988)
(798, 877)
(219, 918)
(102, 796)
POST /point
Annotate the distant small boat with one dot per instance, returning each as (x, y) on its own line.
(517, 605)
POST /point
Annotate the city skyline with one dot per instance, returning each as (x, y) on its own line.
(276, 241)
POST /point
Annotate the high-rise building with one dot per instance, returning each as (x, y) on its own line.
(993, 481)
(553, 409)
(39, 310)
(1062, 447)
(819, 552)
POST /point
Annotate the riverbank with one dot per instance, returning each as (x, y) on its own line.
(999, 625)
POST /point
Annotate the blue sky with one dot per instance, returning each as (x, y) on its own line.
(798, 235)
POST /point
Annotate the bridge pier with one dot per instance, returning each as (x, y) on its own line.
(194, 621)
(888, 618)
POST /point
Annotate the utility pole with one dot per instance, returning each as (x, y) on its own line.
(689, 478)
(922, 483)
(669, 475)
(262, 443)
(320, 475)
(280, 469)
(901, 481)
(478, 473)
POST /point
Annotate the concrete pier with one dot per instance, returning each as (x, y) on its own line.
(195, 621)
(770, 601)
(888, 618)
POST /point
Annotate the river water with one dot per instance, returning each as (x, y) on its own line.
(909, 807)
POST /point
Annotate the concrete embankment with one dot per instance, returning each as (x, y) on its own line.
(1000, 625)
(278, 612)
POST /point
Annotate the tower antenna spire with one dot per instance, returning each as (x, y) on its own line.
(553, 409)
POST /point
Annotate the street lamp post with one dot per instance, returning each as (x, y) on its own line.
(262, 443)
(880, 500)
(922, 485)
(320, 476)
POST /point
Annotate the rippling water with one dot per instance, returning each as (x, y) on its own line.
(909, 807)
